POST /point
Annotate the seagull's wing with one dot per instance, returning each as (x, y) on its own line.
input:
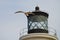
(19, 12)
(26, 13)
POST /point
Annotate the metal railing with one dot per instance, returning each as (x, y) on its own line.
(24, 31)
(51, 31)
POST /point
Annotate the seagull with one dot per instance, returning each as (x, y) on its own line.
(26, 13)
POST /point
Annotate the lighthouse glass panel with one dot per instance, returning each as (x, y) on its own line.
(37, 22)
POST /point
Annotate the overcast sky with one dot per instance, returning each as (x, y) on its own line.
(11, 24)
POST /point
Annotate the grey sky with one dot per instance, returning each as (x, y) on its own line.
(11, 24)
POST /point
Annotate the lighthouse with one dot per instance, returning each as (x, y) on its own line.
(37, 26)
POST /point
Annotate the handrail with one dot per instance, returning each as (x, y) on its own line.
(51, 31)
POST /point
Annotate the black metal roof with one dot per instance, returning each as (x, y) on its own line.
(38, 12)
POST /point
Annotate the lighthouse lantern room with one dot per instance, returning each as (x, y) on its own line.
(37, 21)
